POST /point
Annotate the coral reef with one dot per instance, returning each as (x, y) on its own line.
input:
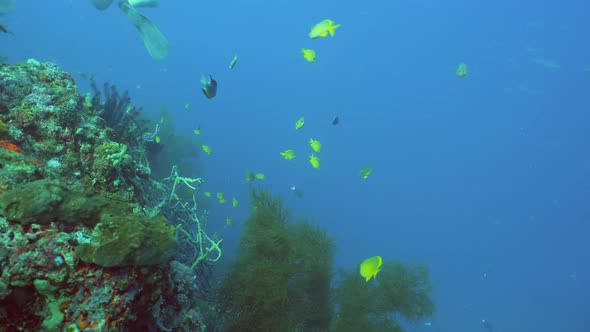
(281, 278)
(399, 290)
(282, 281)
(89, 240)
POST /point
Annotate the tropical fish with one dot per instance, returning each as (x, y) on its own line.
(233, 62)
(228, 221)
(209, 86)
(308, 54)
(197, 131)
(4, 29)
(234, 202)
(10, 146)
(157, 139)
(138, 86)
(186, 106)
(260, 176)
(461, 70)
(206, 148)
(315, 145)
(335, 121)
(250, 176)
(370, 267)
(314, 161)
(299, 124)
(288, 154)
(220, 198)
(207, 194)
(365, 172)
(323, 28)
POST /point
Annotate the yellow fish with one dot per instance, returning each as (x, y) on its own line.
(206, 148)
(314, 161)
(234, 202)
(157, 139)
(197, 131)
(228, 221)
(365, 172)
(288, 154)
(233, 62)
(260, 176)
(250, 176)
(461, 70)
(308, 54)
(323, 28)
(315, 145)
(370, 267)
(299, 124)
(207, 194)
(220, 198)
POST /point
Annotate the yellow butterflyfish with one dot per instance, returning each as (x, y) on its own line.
(370, 267)
(299, 124)
(315, 145)
(234, 202)
(157, 139)
(260, 176)
(308, 54)
(323, 29)
(206, 148)
(220, 198)
(461, 70)
(288, 154)
(366, 172)
(314, 161)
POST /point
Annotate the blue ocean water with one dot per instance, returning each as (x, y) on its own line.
(485, 178)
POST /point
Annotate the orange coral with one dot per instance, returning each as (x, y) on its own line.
(10, 146)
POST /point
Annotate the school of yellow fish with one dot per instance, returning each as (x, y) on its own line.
(370, 267)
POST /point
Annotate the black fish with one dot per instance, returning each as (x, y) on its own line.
(4, 29)
(336, 120)
(209, 87)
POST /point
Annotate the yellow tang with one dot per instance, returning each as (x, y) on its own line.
(366, 172)
(323, 28)
(207, 194)
(370, 267)
(260, 176)
(220, 198)
(234, 202)
(206, 148)
(228, 221)
(308, 54)
(314, 161)
(197, 131)
(315, 145)
(288, 154)
(299, 124)
(461, 70)
(157, 139)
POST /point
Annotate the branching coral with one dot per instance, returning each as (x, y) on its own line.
(189, 227)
